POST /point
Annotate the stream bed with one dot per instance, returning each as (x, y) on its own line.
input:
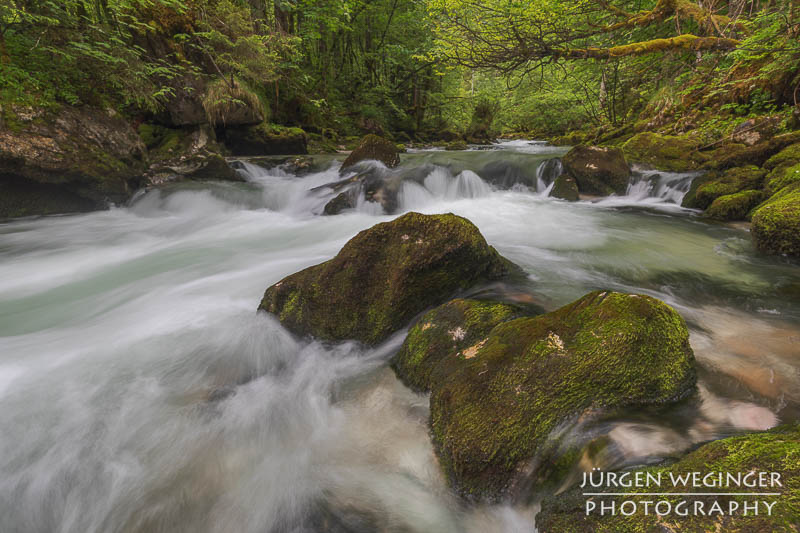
(140, 390)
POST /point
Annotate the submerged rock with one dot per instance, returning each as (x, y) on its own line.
(340, 202)
(597, 170)
(500, 399)
(441, 334)
(565, 188)
(374, 147)
(761, 453)
(72, 159)
(662, 152)
(383, 277)
(776, 223)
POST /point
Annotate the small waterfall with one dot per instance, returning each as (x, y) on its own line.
(667, 187)
(546, 173)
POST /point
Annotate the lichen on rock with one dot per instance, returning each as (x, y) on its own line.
(383, 277)
(441, 336)
(492, 413)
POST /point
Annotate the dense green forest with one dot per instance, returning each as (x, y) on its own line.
(412, 69)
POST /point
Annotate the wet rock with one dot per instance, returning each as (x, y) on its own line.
(662, 152)
(67, 160)
(383, 277)
(265, 139)
(776, 223)
(442, 334)
(766, 452)
(339, 203)
(597, 170)
(715, 184)
(492, 413)
(565, 188)
(373, 147)
(184, 154)
(734, 206)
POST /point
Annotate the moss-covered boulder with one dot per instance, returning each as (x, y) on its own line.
(565, 188)
(776, 223)
(383, 277)
(777, 450)
(790, 155)
(189, 153)
(734, 206)
(663, 152)
(374, 147)
(492, 413)
(442, 335)
(266, 139)
(597, 169)
(67, 159)
(780, 177)
(716, 184)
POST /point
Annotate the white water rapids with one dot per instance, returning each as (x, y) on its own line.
(140, 391)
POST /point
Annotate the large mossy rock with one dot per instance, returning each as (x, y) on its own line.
(383, 277)
(442, 334)
(265, 139)
(736, 155)
(597, 169)
(784, 169)
(776, 223)
(190, 153)
(492, 413)
(734, 206)
(69, 159)
(772, 451)
(565, 188)
(715, 184)
(376, 148)
(662, 152)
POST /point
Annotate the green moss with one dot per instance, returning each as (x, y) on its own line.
(776, 223)
(663, 152)
(443, 333)
(734, 206)
(266, 139)
(384, 276)
(781, 176)
(777, 450)
(565, 188)
(731, 181)
(790, 154)
(456, 145)
(492, 413)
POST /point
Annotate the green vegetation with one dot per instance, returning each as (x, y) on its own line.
(414, 70)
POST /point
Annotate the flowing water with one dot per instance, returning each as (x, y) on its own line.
(140, 390)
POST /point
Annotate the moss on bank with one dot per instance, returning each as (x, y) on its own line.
(734, 206)
(776, 223)
(663, 152)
